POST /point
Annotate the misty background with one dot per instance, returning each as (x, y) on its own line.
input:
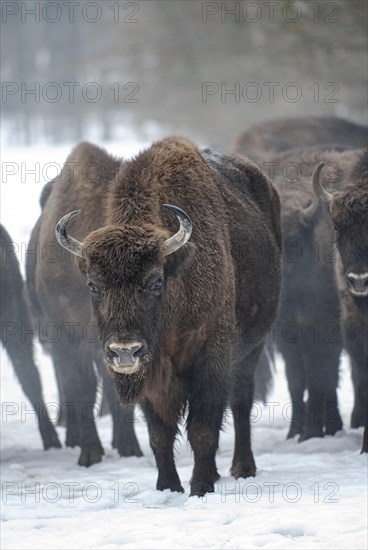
(107, 70)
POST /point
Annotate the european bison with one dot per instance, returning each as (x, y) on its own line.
(308, 331)
(16, 336)
(59, 298)
(348, 210)
(303, 235)
(263, 141)
(182, 313)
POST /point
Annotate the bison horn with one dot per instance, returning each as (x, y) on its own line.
(319, 190)
(72, 245)
(182, 236)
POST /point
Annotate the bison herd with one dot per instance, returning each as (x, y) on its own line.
(195, 269)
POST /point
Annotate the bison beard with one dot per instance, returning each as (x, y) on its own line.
(129, 386)
(361, 304)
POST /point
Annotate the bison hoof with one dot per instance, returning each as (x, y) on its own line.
(212, 474)
(357, 418)
(72, 439)
(200, 488)
(332, 427)
(127, 449)
(243, 469)
(308, 433)
(130, 450)
(174, 485)
(215, 476)
(90, 456)
(294, 430)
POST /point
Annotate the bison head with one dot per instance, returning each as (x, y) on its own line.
(128, 269)
(348, 210)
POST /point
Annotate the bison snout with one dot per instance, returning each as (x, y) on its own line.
(125, 357)
(358, 283)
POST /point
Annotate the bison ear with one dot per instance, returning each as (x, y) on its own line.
(179, 261)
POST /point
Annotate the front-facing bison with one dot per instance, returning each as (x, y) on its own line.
(348, 210)
(183, 313)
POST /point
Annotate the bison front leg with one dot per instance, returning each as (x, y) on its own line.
(124, 438)
(365, 435)
(321, 367)
(295, 374)
(207, 403)
(162, 438)
(241, 401)
(79, 390)
(359, 416)
(206, 410)
(360, 383)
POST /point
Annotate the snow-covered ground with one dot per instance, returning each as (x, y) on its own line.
(309, 495)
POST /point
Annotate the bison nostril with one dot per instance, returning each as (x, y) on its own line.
(352, 281)
(135, 349)
(113, 351)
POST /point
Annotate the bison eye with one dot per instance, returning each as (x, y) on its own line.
(157, 285)
(93, 288)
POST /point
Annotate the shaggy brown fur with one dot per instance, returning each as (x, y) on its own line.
(59, 296)
(263, 141)
(349, 215)
(204, 330)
